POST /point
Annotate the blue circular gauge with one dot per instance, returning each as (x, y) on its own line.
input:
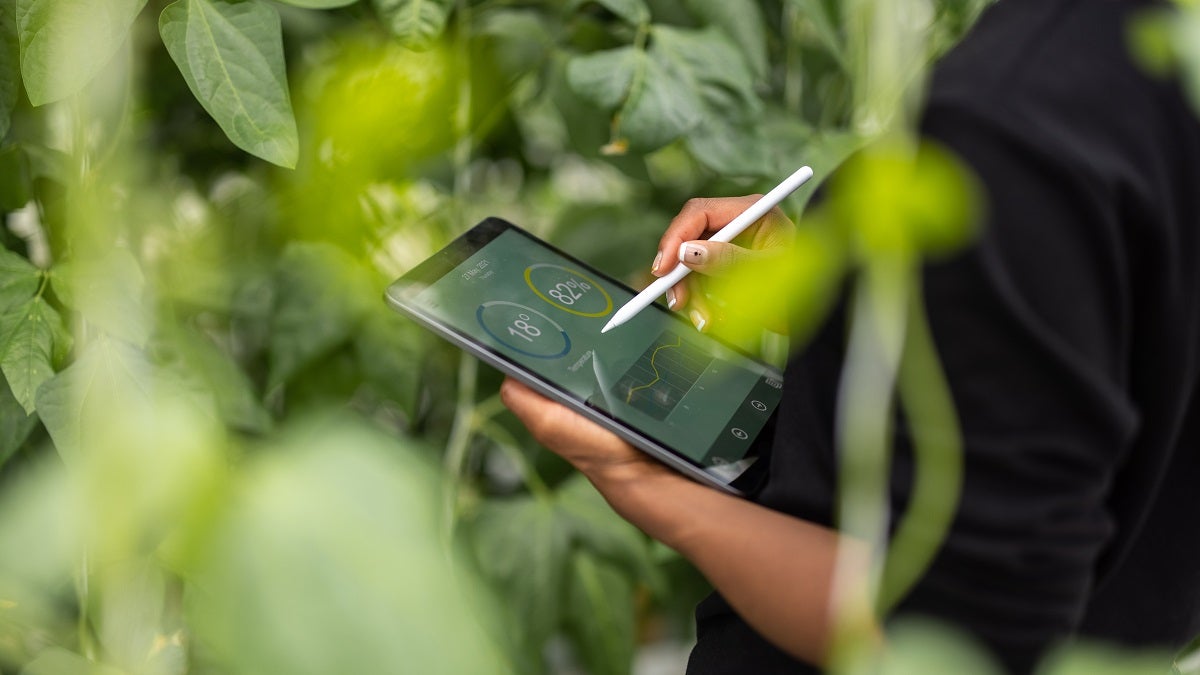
(523, 329)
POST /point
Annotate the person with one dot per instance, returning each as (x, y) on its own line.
(1070, 337)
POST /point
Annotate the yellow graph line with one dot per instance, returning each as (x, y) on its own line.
(657, 376)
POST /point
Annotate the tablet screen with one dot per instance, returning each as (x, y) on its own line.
(529, 304)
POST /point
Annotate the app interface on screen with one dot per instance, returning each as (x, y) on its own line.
(654, 373)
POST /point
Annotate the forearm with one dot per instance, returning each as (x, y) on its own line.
(775, 570)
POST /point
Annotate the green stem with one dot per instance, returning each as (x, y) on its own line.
(460, 437)
(864, 436)
(508, 444)
(83, 592)
(793, 73)
(468, 368)
(937, 460)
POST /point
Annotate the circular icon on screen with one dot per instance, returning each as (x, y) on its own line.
(523, 329)
(569, 290)
(758, 405)
(739, 434)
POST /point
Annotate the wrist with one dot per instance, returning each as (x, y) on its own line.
(654, 498)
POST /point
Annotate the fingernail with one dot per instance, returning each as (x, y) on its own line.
(697, 320)
(691, 253)
(670, 298)
(657, 260)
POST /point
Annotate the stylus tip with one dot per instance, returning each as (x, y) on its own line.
(607, 327)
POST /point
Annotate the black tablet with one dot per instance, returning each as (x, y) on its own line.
(535, 313)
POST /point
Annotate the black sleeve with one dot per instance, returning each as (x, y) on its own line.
(1028, 324)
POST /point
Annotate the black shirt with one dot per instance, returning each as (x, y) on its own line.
(1070, 336)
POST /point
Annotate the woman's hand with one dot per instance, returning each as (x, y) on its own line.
(715, 300)
(603, 457)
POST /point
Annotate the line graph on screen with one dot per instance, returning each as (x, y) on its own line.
(660, 377)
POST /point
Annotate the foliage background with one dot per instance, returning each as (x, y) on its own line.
(221, 452)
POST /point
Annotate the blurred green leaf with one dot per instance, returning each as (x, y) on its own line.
(39, 507)
(390, 351)
(634, 11)
(605, 77)
(27, 344)
(417, 23)
(329, 560)
(231, 55)
(597, 528)
(1149, 36)
(917, 647)
(58, 661)
(19, 280)
(896, 199)
(65, 43)
(321, 298)
(15, 424)
(108, 373)
(319, 4)
(742, 22)
(522, 546)
(201, 364)
(15, 185)
(688, 82)
(1085, 658)
(824, 26)
(133, 616)
(10, 66)
(600, 615)
(107, 291)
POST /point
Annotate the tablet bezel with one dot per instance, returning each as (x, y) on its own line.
(400, 294)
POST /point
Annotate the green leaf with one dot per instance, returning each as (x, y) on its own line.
(689, 82)
(742, 23)
(15, 424)
(10, 65)
(319, 4)
(58, 661)
(522, 547)
(605, 77)
(231, 55)
(107, 291)
(202, 366)
(77, 402)
(823, 26)
(390, 351)
(19, 280)
(65, 43)
(597, 528)
(634, 11)
(600, 614)
(16, 187)
(416, 22)
(322, 296)
(331, 559)
(27, 345)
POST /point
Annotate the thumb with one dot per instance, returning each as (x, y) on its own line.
(715, 258)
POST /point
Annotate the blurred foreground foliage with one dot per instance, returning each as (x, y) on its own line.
(220, 452)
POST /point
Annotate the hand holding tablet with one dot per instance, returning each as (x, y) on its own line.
(535, 313)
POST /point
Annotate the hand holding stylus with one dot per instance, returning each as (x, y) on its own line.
(753, 213)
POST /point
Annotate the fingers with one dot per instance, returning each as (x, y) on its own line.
(555, 426)
(535, 411)
(715, 258)
(698, 217)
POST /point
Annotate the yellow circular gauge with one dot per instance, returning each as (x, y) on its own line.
(569, 290)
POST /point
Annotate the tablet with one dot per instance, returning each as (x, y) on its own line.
(535, 313)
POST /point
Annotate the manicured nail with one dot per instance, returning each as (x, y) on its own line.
(697, 320)
(670, 298)
(657, 260)
(692, 253)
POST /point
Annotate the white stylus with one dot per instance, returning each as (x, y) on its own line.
(735, 227)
